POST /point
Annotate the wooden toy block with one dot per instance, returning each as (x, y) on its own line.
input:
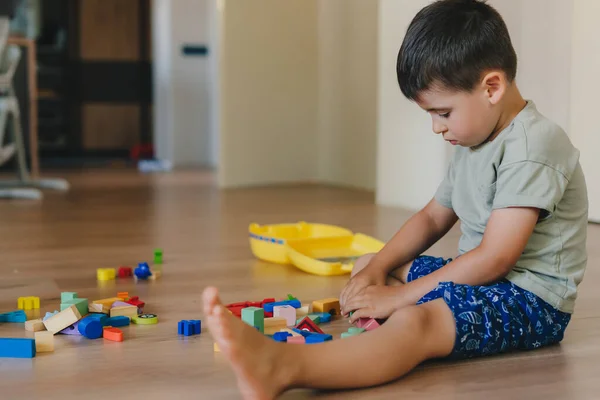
(28, 303)
(281, 336)
(91, 328)
(315, 318)
(352, 331)
(81, 304)
(296, 339)
(113, 334)
(72, 330)
(254, 316)
(158, 255)
(216, 347)
(64, 296)
(287, 312)
(106, 302)
(35, 325)
(60, 321)
(294, 303)
(274, 325)
(189, 327)
(13, 316)
(127, 311)
(105, 274)
(116, 321)
(145, 319)
(98, 308)
(331, 306)
(17, 348)
(291, 332)
(124, 296)
(155, 275)
(307, 324)
(303, 311)
(367, 323)
(318, 338)
(125, 272)
(135, 301)
(44, 342)
(49, 315)
(120, 304)
(323, 317)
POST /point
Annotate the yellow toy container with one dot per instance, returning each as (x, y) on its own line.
(269, 242)
(331, 256)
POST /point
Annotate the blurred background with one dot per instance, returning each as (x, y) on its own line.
(271, 92)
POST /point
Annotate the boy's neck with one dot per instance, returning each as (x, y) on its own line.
(513, 104)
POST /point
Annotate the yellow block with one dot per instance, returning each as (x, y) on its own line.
(126, 311)
(274, 325)
(44, 342)
(331, 306)
(106, 274)
(302, 311)
(28, 303)
(106, 303)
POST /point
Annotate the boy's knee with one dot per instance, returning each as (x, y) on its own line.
(361, 262)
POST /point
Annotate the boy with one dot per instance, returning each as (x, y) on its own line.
(515, 184)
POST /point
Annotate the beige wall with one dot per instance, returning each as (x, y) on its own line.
(348, 92)
(268, 92)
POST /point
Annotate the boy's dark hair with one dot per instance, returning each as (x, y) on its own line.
(452, 43)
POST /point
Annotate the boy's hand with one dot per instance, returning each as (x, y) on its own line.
(359, 282)
(375, 302)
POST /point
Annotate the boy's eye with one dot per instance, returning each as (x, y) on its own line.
(446, 115)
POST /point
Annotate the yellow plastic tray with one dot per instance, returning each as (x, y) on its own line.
(268, 242)
(331, 256)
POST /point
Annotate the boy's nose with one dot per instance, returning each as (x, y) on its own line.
(439, 128)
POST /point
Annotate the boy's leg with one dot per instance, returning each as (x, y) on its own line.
(265, 368)
(396, 277)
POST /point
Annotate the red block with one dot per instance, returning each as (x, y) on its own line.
(125, 272)
(308, 324)
(135, 301)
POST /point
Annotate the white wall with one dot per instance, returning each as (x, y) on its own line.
(585, 64)
(184, 109)
(268, 90)
(348, 92)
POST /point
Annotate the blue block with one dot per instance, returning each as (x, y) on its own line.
(303, 333)
(142, 271)
(281, 336)
(103, 318)
(189, 327)
(318, 338)
(117, 321)
(91, 328)
(323, 317)
(294, 303)
(49, 315)
(17, 348)
(13, 316)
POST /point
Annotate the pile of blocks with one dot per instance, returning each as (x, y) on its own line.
(143, 270)
(77, 316)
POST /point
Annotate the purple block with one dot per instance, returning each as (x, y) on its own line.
(72, 330)
(120, 304)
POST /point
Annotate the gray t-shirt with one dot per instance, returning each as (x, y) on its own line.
(531, 163)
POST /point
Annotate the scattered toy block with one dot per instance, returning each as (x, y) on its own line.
(113, 334)
(352, 331)
(254, 316)
(331, 306)
(125, 272)
(71, 330)
(142, 271)
(158, 256)
(49, 315)
(145, 319)
(273, 325)
(290, 297)
(296, 339)
(106, 302)
(116, 321)
(14, 316)
(315, 318)
(135, 301)
(323, 317)
(281, 336)
(105, 274)
(308, 324)
(128, 311)
(119, 304)
(17, 348)
(155, 275)
(291, 332)
(28, 303)
(265, 301)
(91, 328)
(189, 327)
(287, 312)
(302, 333)
(367, 323)
(303, 311)
(81, 304)
(64, 296)
(98, 308)
(35, 325)
(60, 321)
(124, 296)
(318, 338)
(44, 342)
(216, 347)
(103, 318)
(269, 306)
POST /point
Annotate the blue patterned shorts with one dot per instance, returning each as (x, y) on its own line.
(493, 319)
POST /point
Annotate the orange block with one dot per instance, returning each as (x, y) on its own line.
(114, 334)
(123, 295)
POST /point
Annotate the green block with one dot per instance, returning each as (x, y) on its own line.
(290, 297)
(158, 253)
(356, 330)
(81, 304)
(64, 296)
(315, 318)
(348, 334)
(254, 316)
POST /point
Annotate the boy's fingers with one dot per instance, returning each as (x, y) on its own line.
(361, 313)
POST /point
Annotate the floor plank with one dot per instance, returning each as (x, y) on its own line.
(116, 217)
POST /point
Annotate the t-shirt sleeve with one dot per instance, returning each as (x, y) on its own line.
(443, 195)
(529, 184)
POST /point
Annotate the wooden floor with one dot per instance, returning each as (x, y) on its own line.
(116, 217)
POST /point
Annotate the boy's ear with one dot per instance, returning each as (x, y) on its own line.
(494, 83)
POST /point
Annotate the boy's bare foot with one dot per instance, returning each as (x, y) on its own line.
(256, 360)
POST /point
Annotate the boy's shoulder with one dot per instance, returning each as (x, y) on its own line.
(532, 137)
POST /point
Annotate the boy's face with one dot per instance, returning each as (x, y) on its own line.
(463, 119)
